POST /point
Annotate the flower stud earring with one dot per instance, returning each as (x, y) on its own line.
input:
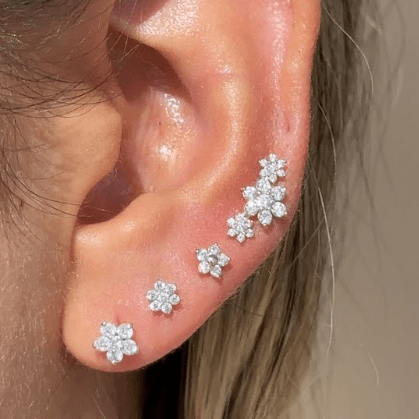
(116, 341)
(163, 297)
(240, 227)
(212, 260)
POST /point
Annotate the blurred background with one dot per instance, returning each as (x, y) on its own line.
(371, 370)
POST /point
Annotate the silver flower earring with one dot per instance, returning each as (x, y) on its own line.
(163, 297)
(116, 341)
(264, 200)
(212, 260)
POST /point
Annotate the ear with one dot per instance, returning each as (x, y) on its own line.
(209, 88)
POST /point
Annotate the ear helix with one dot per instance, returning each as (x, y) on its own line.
(264, 202)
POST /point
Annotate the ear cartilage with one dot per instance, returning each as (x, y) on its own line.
(264, 200)
(163, 297)
(212, 260)
(116, 341)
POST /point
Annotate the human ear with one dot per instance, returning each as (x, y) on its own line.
(209, 88)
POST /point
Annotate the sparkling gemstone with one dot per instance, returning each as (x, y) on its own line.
(216, 271)
(265, 217)
(159, 285)
(201, 254)
(223, 260)
(249, 192)
(115, 355)
(251, 208)
(231, 232)
(264, 201)
(108, 329)
(125, 331)
(278, 193)
(174, 299)
(155, 305)
(212, 260)
(204, 267)
(171, 288)
(263, 186)
(102, 343)
(279, 209)
(166, 308)
(214, 250)
(231, 222)
(250, 233)
(129, 347)
(241, 237)
(152, 295)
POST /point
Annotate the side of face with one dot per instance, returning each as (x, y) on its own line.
(161, 113)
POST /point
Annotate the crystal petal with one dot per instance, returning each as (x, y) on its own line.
(204, 267)
(214, 250)
(231, 222)
(171, 288)
(251, 208)
(174, 299)
(263, 162)
(108, 329)
(102, 344)
(278, 193)
(250, 192)
(279, 209)
(125, 331)
(250, 233)
(155, 305)
(152, 295)
(241, 237)
(201, 254)
(263, 186)
(264, 202)
(159, 286)
(115, 355)
(166, 308)
(216, 271)
(265, 218)
(223, 260)
(129, 347)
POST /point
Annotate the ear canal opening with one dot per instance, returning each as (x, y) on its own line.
(108, 198)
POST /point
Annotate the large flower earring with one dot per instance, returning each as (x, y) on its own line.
(264, 200)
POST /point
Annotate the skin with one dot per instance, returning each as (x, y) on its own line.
(209, 89)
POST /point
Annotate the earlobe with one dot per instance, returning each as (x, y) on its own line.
(206, 102)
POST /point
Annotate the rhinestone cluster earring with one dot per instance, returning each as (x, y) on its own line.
(264, 200)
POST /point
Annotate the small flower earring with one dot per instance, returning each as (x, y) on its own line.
(116, 341)
(212, 260)
(163, 297)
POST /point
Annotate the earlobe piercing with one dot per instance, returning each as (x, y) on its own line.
(116, 341)
(163, 297)
(264, 200)
(212, 260)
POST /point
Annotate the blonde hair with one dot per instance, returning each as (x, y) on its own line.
(249, 359)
